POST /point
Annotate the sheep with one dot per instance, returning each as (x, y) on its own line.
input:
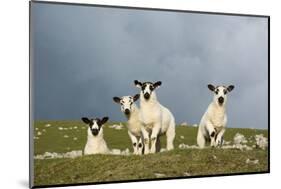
(213, 123)
(131, 111)
(95, 141)
(156, 119)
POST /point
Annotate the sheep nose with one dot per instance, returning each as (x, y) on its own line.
(95, 132)
(221, 100)
(146, 96)
(127, 111)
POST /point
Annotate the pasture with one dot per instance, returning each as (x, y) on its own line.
(66, 136)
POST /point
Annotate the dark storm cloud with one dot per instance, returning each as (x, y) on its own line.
(83, 56)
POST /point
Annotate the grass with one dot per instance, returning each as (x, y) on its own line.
(101, 168)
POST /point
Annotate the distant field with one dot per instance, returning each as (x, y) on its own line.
(65, 136)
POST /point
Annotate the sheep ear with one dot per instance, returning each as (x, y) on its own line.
(230, 88)
(136, 97)
(116, 99)
(104, 120)
(157, 84)
(211, 87)
(85, 120)
(138, 84)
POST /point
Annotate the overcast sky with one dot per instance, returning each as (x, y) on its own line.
(83, 56)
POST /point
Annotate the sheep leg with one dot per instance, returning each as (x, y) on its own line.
(145, 135)
(170, 137)
(219, 138)
(212, 132)
(154, 135)
(134, 142)
(140, 146)
(158, 144)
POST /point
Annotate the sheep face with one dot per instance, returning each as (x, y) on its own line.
(95, 125)
(147, 88)
(126, 103)
(220, 93)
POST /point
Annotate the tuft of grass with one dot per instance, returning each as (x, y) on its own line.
(101, 168)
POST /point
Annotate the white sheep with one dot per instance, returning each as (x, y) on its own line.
(213, 122)
(156, 119)
(131, 111)
(95, 141)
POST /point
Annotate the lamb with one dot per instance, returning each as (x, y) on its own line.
(213, 122)
(131, 111)
(95, 141)
(156, 119)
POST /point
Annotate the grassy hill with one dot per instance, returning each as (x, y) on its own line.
(65, 136)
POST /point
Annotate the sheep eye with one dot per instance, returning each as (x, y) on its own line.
(217, 92)
(151, 87)
(224, 91)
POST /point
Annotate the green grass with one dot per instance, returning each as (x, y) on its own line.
(100, 168)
